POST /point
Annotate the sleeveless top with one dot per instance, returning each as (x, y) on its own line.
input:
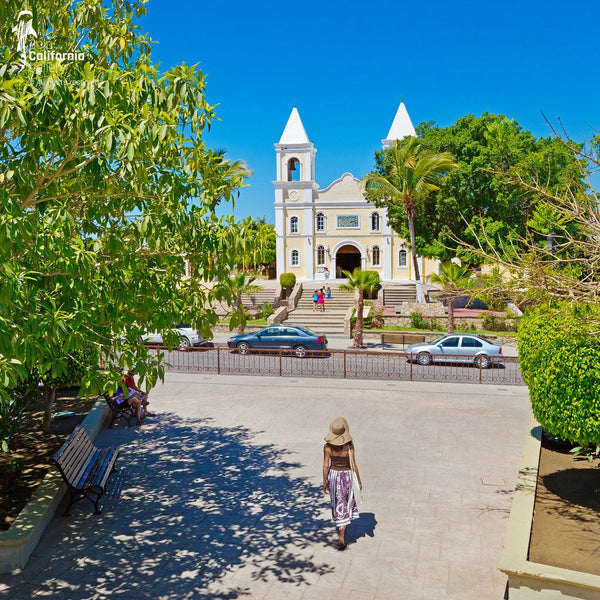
(340, 463)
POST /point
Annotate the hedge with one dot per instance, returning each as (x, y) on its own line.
(560, 363)
(287, 280)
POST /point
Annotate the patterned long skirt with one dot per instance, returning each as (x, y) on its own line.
(343, 508)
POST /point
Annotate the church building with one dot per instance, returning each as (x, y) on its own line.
(335, 227)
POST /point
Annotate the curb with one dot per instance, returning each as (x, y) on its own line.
(18, 542)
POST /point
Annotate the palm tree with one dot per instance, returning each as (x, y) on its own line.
(364, 282)
(454, 279)
(239, 284)
(410, 172)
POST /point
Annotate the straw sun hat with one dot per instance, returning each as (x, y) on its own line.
(339, 432)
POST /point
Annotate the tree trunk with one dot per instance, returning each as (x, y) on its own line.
(240, 309)
(413, 251)
(49, 396)
(358, 331)
(451, 315)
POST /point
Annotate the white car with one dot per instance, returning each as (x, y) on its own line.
(187, 337)
(456, 348)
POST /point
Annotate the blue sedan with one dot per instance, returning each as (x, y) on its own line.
(288, 337)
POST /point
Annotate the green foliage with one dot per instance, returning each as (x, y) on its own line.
(435, 325)
(266, 311)
(13, 403)
(238, 285)
(406, 176)
(417, 320)
(107, 193)
(560, 362)
(491, 152)
(493, 322)
(287, 281)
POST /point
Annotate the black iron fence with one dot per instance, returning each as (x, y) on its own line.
(344, 364)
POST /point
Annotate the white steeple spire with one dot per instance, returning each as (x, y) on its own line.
(294, 132)
(401, 127)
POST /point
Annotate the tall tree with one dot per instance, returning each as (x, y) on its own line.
(481, 194)
(361, 282)
(454, 280)
(101, 165)
(409, 174)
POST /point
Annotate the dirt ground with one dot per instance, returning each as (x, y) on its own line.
(566, 528)
(34, 450)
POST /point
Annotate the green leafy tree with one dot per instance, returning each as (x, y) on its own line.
(102, 164)
(362, 282)
(482, 198)
(409, 174)
(240, 284)
(454, 280)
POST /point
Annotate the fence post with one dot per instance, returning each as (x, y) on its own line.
(280, 369)
(344, 364)
(479, 370)
(411, 365)
(218, 360)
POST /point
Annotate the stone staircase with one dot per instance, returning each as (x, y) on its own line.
(394, 294)
(330, 321)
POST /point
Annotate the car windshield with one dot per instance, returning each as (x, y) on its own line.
(307, 331)
(183, 326)
(439, 339)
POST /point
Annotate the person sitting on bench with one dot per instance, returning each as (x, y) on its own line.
(132, 399)
(129, 381)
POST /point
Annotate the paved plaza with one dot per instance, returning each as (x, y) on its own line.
(220, 496)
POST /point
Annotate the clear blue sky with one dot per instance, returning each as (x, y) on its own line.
(347, 65)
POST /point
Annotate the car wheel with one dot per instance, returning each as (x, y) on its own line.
(424, 358)
(483, 362)
(243, 347)
(300, 351)
(184, 343)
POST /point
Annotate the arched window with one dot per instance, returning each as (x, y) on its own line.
(376, 256)
(402, 258)
(320, 222)
(293, 166)
(294, 225)
(320, 255)
(375, 221)
(295, 262)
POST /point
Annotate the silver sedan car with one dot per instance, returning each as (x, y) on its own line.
(456, 348)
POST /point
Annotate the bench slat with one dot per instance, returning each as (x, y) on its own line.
(84, 467)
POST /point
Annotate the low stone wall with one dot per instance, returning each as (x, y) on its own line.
(17, 544)
(528, 580)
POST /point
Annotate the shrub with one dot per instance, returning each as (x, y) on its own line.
(418, 321)
(266, 311)
(13, 403)
(495, 323)
(287, 280)
(560, 360)
(435, 325)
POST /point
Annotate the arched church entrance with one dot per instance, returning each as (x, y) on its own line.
(347, 259)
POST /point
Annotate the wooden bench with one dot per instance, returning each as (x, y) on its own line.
(399, 337)
(85, 468)
(119, 411)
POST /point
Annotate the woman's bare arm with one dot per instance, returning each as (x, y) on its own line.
(326, 462)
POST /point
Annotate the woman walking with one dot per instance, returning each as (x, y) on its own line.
(338, 463)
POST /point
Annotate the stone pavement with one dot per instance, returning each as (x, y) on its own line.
(220, 496)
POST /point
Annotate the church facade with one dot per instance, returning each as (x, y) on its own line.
(335, 228)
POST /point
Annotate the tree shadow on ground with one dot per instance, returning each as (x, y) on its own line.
(576, 487)
(191, 506)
